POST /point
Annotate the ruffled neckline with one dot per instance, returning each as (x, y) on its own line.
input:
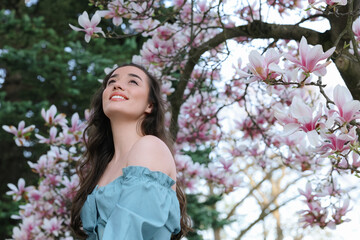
(141, 172)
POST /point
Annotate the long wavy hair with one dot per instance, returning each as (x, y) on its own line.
(100, 150)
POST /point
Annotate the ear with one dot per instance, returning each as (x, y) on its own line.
(149, 108)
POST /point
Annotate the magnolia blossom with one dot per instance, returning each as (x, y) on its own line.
(51, 119)
(341, 211)
(52, 138)
(338, 143)
(264, 67)
(338, 2)
(301, 117)
(347, 108)
(21, 133)
(17, 192)
(310, 58)
(89, 26)
(356, 29)
(145, 26)
(52, 226)
(115, 11)
(308, 193)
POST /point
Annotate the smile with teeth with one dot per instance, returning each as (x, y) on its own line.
(118, 97)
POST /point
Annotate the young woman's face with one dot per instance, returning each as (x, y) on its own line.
(126, 94)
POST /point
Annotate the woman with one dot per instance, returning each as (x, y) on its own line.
(128, 176)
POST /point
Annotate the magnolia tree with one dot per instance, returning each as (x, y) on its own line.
(284, 116)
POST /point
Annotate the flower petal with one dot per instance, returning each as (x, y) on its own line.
(76, 29)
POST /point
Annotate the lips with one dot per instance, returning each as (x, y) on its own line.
(118, 96)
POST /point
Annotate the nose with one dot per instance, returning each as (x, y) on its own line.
(117, 85)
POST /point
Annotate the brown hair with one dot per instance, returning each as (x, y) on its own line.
(100, 150)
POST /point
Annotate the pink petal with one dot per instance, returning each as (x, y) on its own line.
(95, 20)
(103, 13)
(84, 20)
(290, 128)
(275, 68)
(87, 38)
(76, 29)
(300, 110)
(117, 21)
(320, 69)
(12, 187)
(21, 125)
(272, 56)
(53, 110)
(313, 137)
(256, 60)
(19, 142)
(329, 52)
(342, 95)
(292, 59)
(350, 109)
(99, 30)
(29, 129)
(10, 129)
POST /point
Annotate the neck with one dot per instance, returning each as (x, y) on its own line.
(125, 134)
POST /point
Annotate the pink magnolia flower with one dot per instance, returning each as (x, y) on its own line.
(302, 117)
(203, 6)
(310, 57)
(264, 67)
(52, 226)
(76, 125)
(182, 161)
(355, 160)
(232, 181)
(115, 11)
(52, 136)
(89, 26)
(145, 26)
(226, 163)
(348, 109)
(17, 192)
(20, 234)
(338, 2)
(139, 9)
(21, 132)
(316, 215)
(42, 165)
(308, 193)
(340, 212)
(213, 172)
(49, 116)
(166, 88)
(356, 29)
(338, 143)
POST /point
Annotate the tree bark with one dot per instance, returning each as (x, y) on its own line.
(347, 64)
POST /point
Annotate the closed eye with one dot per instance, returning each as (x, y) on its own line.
(133, 82)
(110, 81)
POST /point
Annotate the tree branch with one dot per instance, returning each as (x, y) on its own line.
(256, 29)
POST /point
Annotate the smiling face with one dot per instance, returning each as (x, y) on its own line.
(126, 94)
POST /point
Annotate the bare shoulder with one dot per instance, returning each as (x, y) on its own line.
(153, 153)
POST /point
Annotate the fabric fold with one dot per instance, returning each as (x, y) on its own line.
(140, 204)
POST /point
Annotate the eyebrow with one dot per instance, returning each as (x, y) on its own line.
(134, 75)
(130, 74)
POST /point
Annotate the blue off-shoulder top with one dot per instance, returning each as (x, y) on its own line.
(139, 205)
